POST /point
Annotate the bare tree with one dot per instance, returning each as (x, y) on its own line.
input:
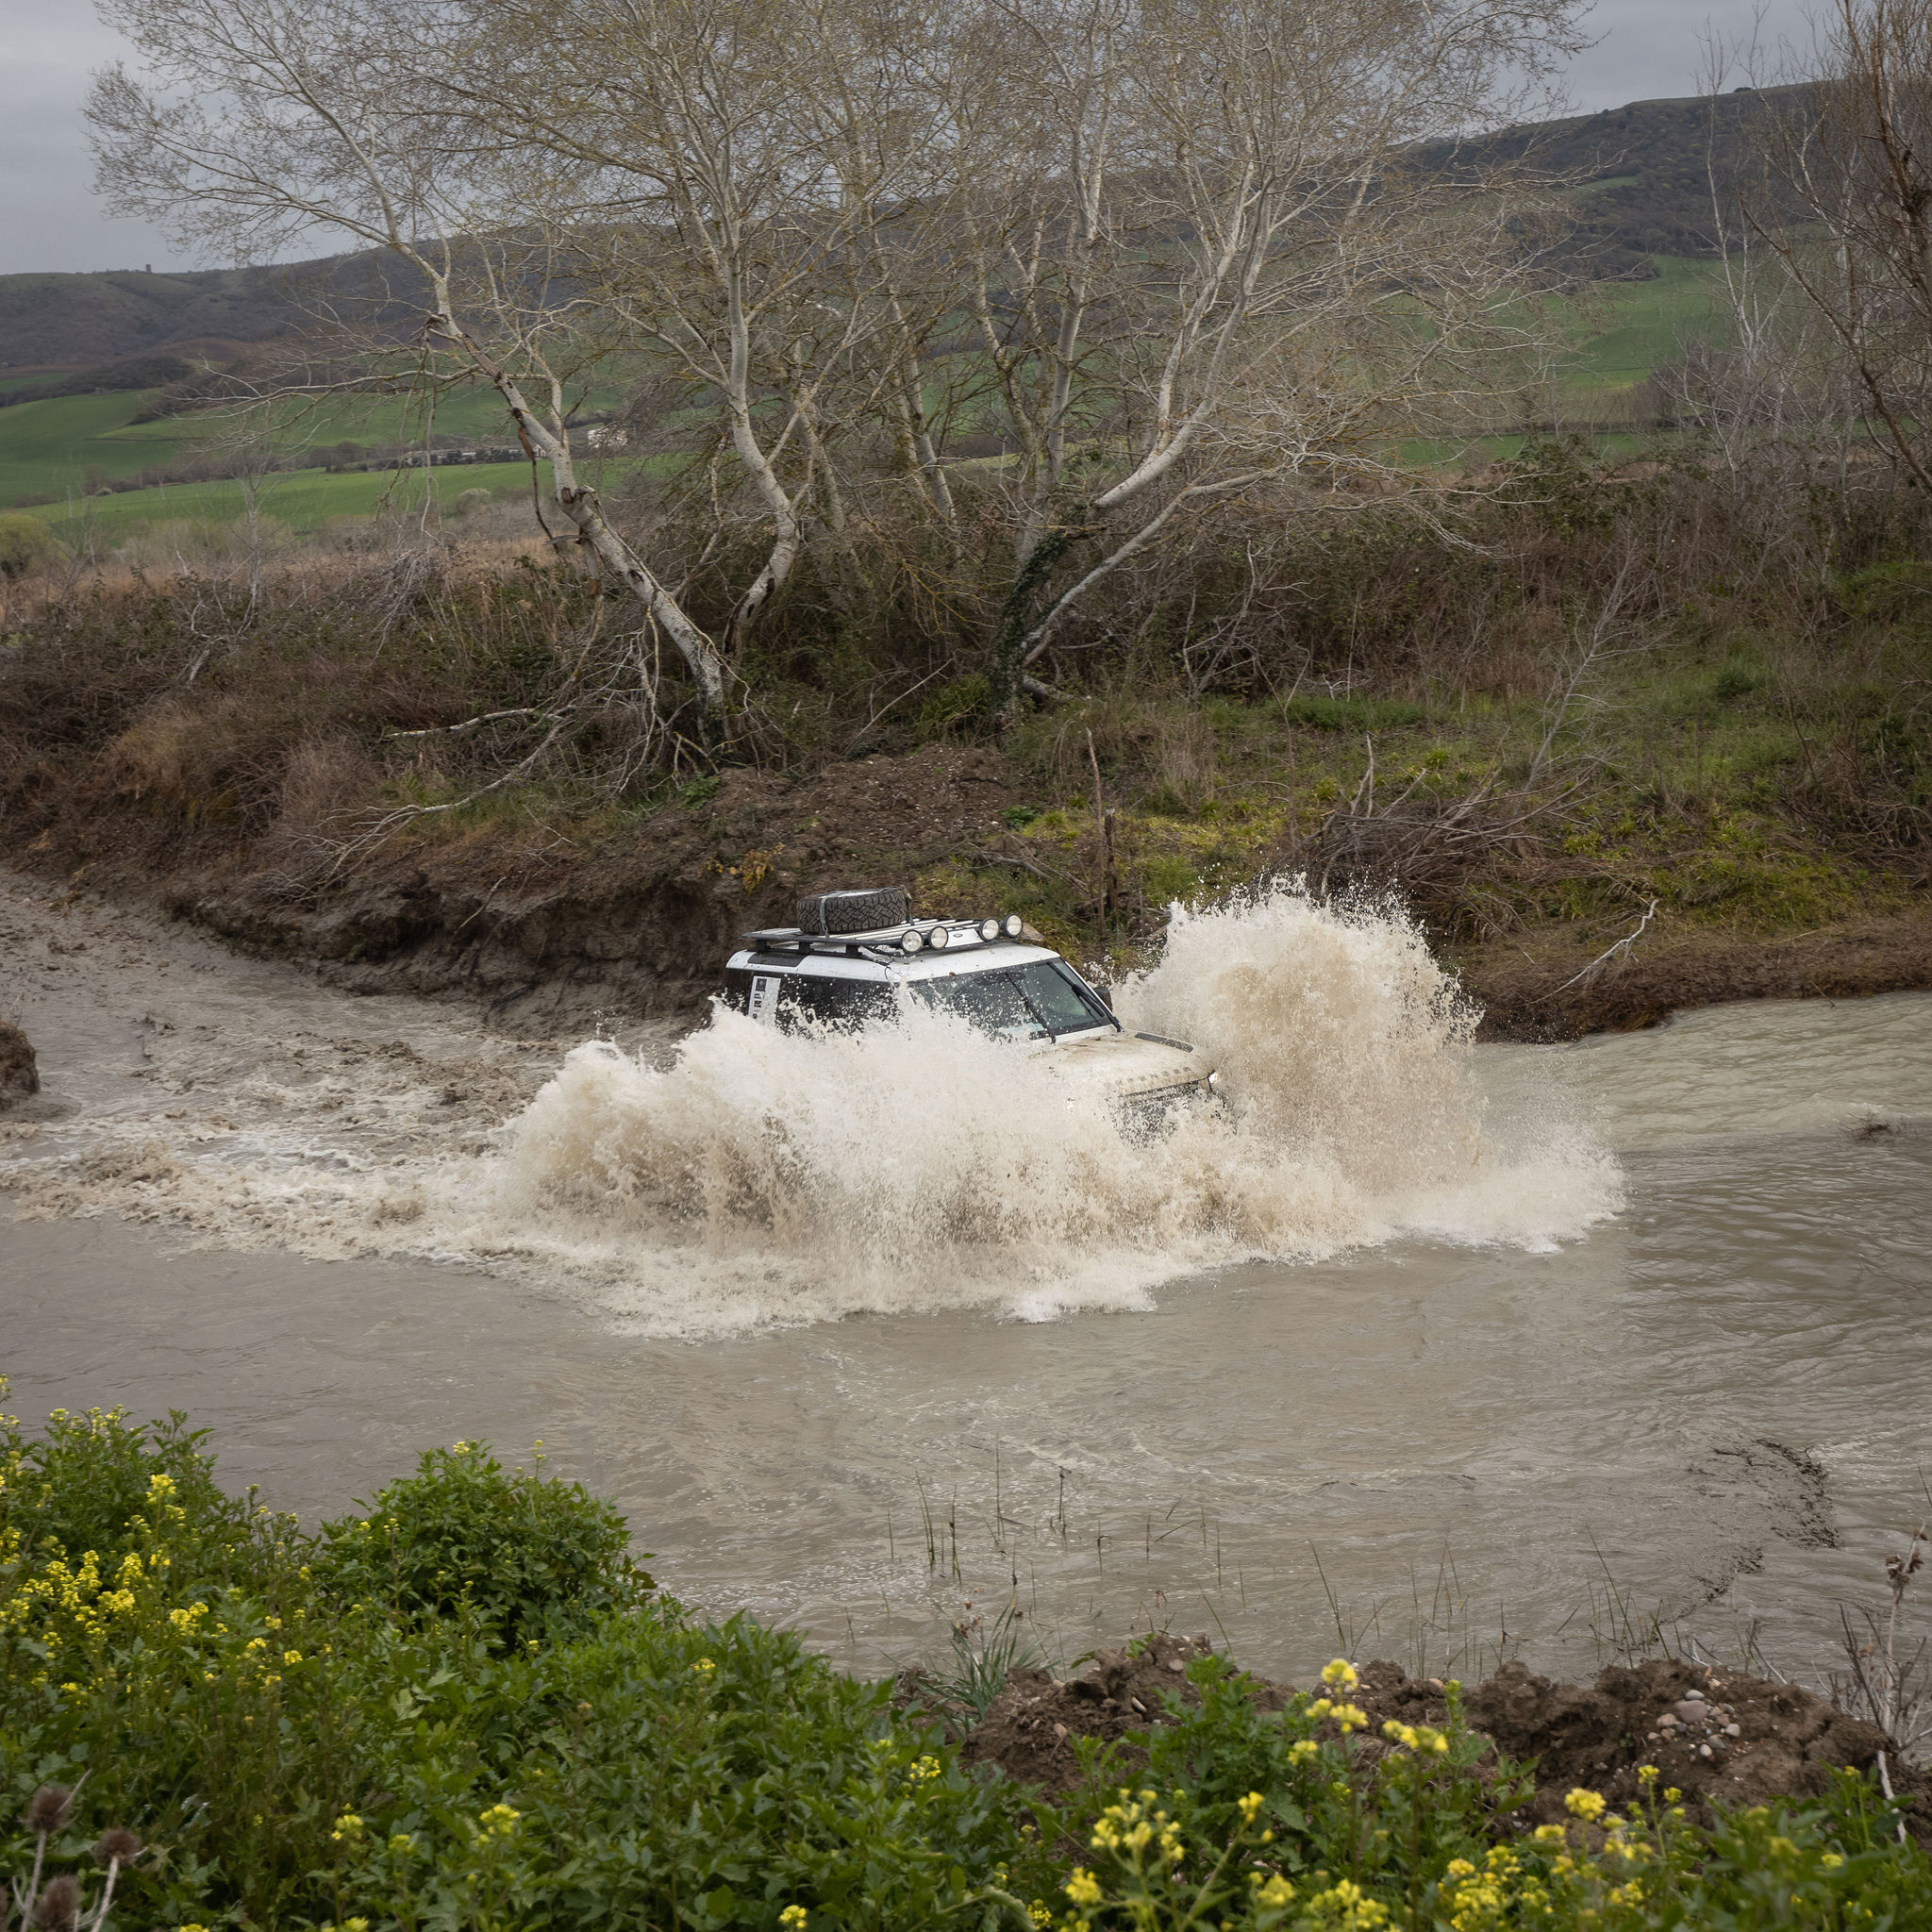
(1205, 258)
(263, 124)
(1168, 253)
(1854, 150)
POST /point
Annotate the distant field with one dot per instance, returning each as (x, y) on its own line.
(1619, 333)
(302, 499)
(47, 447)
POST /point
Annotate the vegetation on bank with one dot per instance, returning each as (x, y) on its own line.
(466, 1706)
(1674, 696)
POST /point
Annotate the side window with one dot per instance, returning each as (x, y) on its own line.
(828, 1002)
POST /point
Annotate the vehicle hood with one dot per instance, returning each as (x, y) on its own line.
(1122, 1064)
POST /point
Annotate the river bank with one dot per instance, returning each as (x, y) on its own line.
(545, 924)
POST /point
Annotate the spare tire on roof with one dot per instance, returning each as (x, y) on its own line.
(868, 909)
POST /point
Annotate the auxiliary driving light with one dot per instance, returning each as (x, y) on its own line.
(989, 929)
(938, 938)
(1012, 923)
(910, 942)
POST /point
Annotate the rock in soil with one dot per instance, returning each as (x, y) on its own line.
(19, 1077)
(1776, 1740)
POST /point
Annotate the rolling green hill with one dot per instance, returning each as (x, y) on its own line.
(1642, 205)
(49, 445)
(301, 499)
(1643, 193)
(47, 448)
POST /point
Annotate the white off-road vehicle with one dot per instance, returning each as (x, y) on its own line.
(855, 957)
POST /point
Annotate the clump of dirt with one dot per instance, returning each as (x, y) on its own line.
(19, 1075)
(1719, 1736)
(1029, 1728)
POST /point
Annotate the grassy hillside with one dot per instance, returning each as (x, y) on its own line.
(1620, 331)
(301, 499)
(48, 446)
(1643, 193)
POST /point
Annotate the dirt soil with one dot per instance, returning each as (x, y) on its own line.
(546, 931)
(1720, 1736)
(1523, 990)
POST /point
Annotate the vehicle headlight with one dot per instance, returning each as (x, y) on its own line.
(989, 929)
(938, 938)
(910, 942)
(1012, 923)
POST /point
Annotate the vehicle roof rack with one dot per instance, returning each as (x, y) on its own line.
(793, 938)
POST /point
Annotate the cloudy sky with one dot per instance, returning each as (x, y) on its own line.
(48, 220)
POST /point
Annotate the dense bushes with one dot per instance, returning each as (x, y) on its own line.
(463, 1710)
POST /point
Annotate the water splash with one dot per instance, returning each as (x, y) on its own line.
(757, 1176)
(920, 1165)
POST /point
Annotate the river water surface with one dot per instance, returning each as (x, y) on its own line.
(1512, 1351)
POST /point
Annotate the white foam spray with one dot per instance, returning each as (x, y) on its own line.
(761, 1177)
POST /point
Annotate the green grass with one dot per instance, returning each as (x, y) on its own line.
(1622, 331)
(47, 447)
(302, 499)
(1619, 333)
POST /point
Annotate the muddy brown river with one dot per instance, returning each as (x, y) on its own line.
(1445, 1353)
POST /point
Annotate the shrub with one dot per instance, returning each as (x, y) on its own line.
(26, 543)
(1301, 1821)
(87, 1483)
(528, 1555)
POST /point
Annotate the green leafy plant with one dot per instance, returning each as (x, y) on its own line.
(26, 543)
(529, 1555)
(984, 1657)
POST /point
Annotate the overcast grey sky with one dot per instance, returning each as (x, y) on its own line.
(48, 220)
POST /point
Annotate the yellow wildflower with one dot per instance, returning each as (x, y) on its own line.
(1587, 1805)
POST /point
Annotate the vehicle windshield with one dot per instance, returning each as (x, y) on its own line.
(1037, 1001)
